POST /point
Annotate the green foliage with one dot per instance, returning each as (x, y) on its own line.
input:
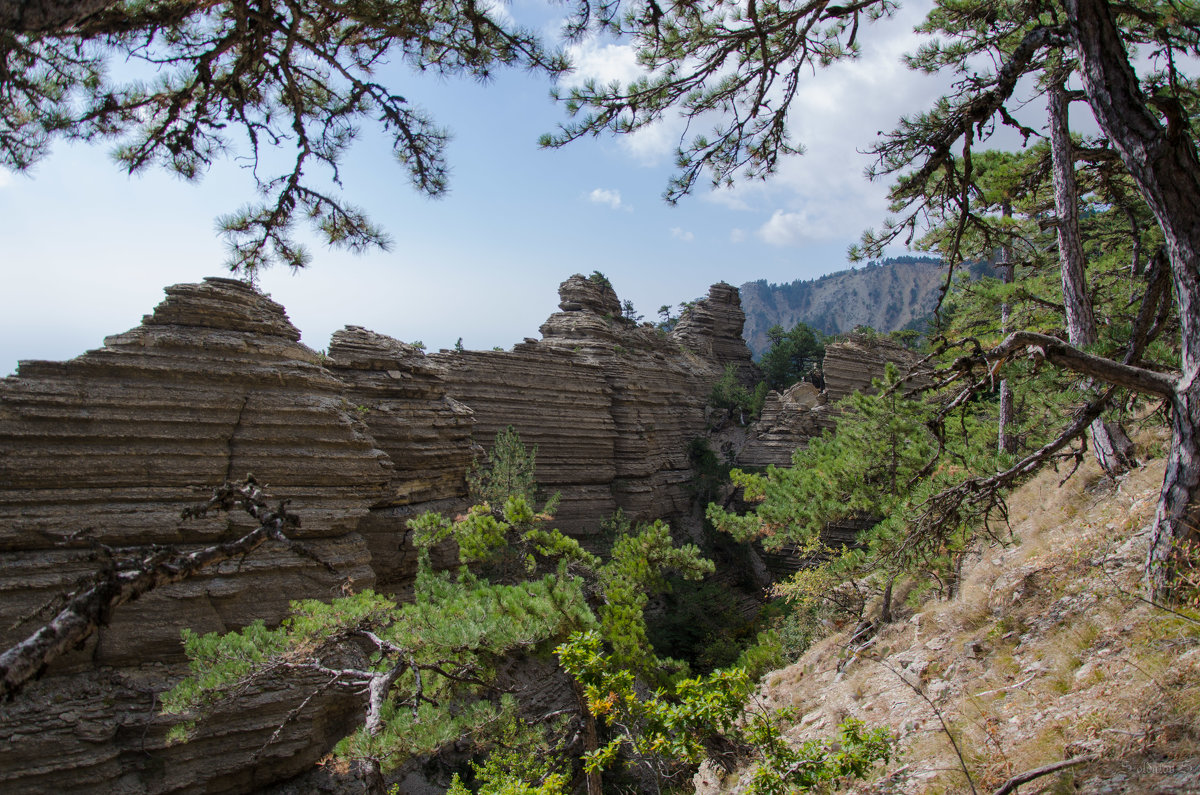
(699, 622)
(520, 589)
(629, 311)
(525, 759)
(662, 731)
(442, 648)
(731, 399)
(784, 769)
(508, 470)
(636, 568)
(666, 730)
(599, 278)
(792, 355)
(709, 471)
(883, 460)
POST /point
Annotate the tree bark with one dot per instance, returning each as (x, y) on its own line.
(1005, 441)
(1164, 165)
(1110, 445)
(48, 16)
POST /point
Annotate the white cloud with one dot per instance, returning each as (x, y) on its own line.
(5, 178)
(608, 63)
(682, 234)
(603, 63)
(823, 195)
(733, 197)
(610, 197)
(791, 229)
(737, 235)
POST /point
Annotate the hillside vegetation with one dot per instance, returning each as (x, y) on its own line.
(1047, 653)
(887, 296)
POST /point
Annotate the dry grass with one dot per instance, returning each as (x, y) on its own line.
(1047, 653)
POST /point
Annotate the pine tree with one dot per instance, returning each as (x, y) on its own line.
(427, 668)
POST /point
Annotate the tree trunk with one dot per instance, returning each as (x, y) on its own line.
(591, 740)
(1164, 165)
(1005, 441)
(1110, 445)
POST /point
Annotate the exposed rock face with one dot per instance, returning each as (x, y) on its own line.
(401, 397)
(789, 420)
(852, 364)
(713, 327)
(215, 384)
(111, 446)
(610, 405)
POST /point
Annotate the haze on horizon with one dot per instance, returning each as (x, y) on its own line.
(89, 250)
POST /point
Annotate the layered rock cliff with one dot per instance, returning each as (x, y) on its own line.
(611, 405)
(107, 448)
(802, 412)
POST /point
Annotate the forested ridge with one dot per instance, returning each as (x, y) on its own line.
(1078, 360)
(886, 295)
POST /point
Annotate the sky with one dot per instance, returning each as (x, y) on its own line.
(87, 250)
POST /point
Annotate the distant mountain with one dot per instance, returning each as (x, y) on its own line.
(886, 295)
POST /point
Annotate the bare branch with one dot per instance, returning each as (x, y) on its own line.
(1059, 353)
(1011, 785)
(88, 610)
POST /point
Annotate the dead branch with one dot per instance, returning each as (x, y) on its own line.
(89, 609)
(1011, 785)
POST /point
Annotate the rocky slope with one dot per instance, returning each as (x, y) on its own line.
(1046, 654)
(886, 297)
(109, 447)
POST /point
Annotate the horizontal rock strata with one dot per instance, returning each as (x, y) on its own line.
(803, 412)
(787, 422)
(109, 447)
(401, 398)
(610, 405)
(851, 365)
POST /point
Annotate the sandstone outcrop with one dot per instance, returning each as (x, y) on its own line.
(851, 365)
(802, 412)
(401, 398)
(610, 405)
(787, 422)
(110, 446)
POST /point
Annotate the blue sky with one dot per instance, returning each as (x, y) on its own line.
(87, 250)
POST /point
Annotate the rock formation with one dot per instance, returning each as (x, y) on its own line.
(787, 422)
(401, 398)
(790, 419)
(109, 447)
(851, 365)
(611, 405)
